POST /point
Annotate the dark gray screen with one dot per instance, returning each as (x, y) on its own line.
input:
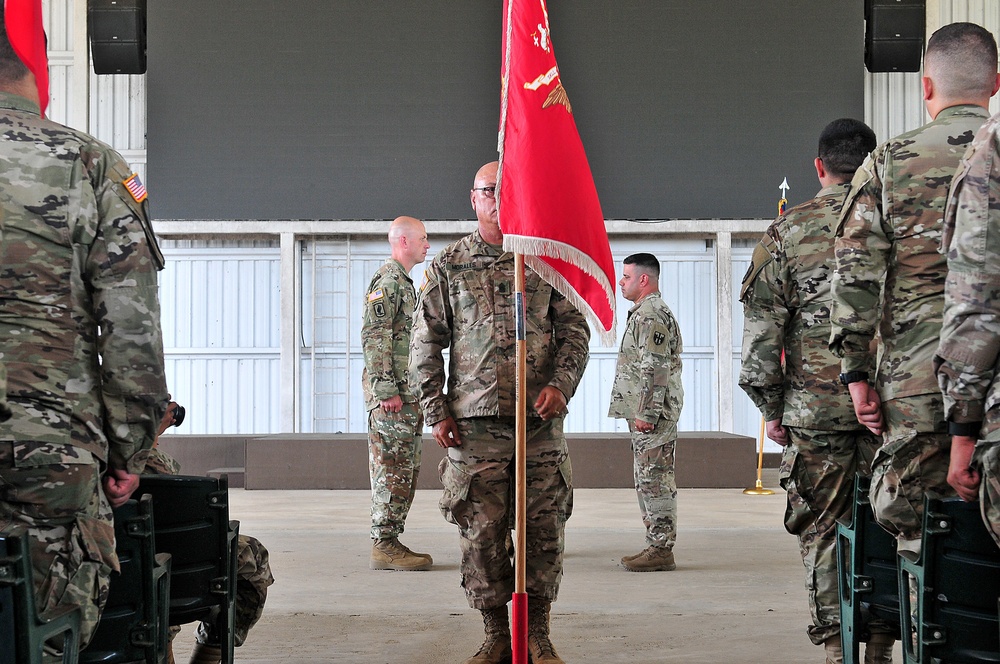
(354, 109)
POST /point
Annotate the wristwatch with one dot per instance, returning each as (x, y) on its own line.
(849, 377)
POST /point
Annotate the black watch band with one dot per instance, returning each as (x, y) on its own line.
(970, 429)
(849, 377)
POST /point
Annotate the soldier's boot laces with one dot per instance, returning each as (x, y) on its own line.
(496, 646)
(878, 649)
(834, 651)
(390, 554)
(414, 553)
(540, 648)
(651, 559)
(203, 654)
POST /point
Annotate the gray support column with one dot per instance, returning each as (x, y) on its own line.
(289, 332)
(724, 337)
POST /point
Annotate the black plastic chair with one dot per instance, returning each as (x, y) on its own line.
(191, 516)
(869, 582)
(134, 625)
(22, 632)
(957, 578)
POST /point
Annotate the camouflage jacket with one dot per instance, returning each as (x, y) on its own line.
(889, 237)
(467, 304)
(79, 314)
(4, 408)
(385, 334)
(969, 353)
(648, 376)
(786, 308)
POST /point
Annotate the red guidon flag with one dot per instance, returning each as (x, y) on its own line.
(547, 202)
(23, 21)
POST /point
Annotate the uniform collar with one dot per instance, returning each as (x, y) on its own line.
(481, 247)
(834, 189)
(399, 266)
(963, 109)
(14, 102)
(638, 303)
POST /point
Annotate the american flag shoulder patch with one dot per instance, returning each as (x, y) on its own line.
(375, 295)
(136, 188)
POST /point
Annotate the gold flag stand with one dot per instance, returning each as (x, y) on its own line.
(758, 489)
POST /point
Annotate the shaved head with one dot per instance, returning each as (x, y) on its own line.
(961, 60)
(408, 241)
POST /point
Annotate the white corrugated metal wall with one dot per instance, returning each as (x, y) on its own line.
(232, 379)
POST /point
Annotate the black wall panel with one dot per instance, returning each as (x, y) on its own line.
(352, 109)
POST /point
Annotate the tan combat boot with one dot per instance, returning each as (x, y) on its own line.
(496, 646)
(390, 554)
(414, 553)
(540, 648)
(878, 649)
(834, 651)
(203, 654)
(652, 559)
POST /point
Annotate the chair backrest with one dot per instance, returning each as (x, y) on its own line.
(191, 516)
(961, 583)
(866, 560)
(133, 624)
(22, 632)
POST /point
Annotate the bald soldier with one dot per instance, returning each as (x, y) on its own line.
(889, 238)
(394, 420)
(466, 304)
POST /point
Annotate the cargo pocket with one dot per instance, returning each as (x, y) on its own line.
(566, 490)
(80, 575)
(454, 504)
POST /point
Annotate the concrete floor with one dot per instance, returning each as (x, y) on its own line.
(737, 594)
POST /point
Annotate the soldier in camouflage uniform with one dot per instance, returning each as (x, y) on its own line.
(467, 304)
(889, 238)
(253, 571)
(791, 376)
(648, 393)
(969, 352)
(80, 338)
(394, 422)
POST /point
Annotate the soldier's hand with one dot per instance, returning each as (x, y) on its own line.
(445, 433)
(643, 427)
(392, 404)
(867, 406)
(961, 475)
(776, 432)
(550, 403)
(119, 485)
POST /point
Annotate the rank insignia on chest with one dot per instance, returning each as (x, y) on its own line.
(503, 288)
(658, 338)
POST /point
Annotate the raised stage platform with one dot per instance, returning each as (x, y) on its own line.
(705, 459)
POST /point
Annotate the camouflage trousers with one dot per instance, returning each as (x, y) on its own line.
(394, 441)
(902, 473)
(655, 486)
(987, 460)
(818, 470)
(478, 480)
(53, 494)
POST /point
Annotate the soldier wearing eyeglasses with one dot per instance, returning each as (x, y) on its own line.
(467, 304)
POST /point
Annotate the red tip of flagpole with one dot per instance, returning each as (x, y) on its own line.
(519, 627)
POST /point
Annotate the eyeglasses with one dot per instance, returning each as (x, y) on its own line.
(489, 191)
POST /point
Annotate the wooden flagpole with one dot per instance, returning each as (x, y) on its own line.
(519, 601)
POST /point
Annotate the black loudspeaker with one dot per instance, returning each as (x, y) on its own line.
(117, 30)
(894, 34)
